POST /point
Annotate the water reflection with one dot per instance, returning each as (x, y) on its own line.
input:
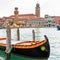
(1, 58)
(16, 57)
(41, 59)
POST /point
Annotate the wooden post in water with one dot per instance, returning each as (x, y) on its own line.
(18, 34)
(33, 35)
(8, 41)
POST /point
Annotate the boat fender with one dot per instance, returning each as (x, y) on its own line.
(43, 48)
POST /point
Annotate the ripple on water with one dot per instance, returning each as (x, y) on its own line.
(52, 33)
(1, 58)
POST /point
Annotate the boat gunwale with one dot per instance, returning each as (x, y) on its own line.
(26, 46)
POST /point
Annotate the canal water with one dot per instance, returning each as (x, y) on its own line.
(26, 34)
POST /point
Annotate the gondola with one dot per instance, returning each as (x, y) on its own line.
(34, 49)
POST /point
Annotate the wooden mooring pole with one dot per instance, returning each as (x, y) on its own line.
(33, 35)
(8, 42)
(18, 34)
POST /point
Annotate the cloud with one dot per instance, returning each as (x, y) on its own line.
(50, 7)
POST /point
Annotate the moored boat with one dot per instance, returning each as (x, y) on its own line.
(3, 38)
(58, 27)
(35, 49)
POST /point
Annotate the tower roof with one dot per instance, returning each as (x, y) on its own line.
(37, 5)
(16, 8)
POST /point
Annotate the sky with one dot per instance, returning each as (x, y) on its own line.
(50, 7)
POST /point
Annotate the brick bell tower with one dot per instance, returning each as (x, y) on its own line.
(16, 13)
(37, 10)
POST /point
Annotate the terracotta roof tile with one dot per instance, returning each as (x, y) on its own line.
(27, 15)
(24, 15)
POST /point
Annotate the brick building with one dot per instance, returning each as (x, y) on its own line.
(25, 20)
(28, 20)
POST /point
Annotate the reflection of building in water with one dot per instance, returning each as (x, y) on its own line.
(28, 20)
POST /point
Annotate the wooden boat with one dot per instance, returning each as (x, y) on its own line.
(33, 49)
(3, 38)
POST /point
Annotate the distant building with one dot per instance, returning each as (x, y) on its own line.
(49, 21)
(28, 20)
(57, 19)
(25, 20)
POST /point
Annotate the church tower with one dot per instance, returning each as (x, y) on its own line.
(37, 10)
(16, 13)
